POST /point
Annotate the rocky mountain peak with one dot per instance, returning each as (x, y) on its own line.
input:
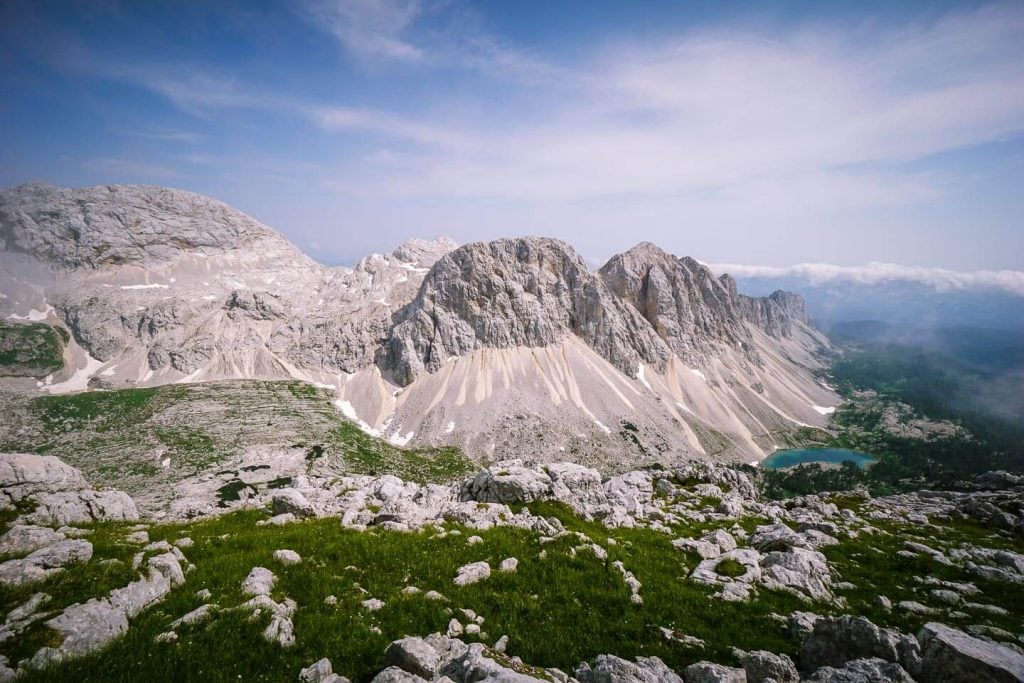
(792, 305)
(529, 291)
(115, 225)
(424, 253)
(686, 305)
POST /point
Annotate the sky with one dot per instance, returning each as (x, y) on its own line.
(767, 134)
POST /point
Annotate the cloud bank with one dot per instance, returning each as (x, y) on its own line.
(942, 280)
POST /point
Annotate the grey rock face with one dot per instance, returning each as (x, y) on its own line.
(836, 640)
(690, 309)
(761, 665)
(44, 562)
(516, 292)
(512, 482)
(22, 474)
(776, 537)
(60, 492)
(24, 538)
(119, 224)
(871, 670)
(260, 581)
(776, 314)
(709, 672)
(948, 654)
(612, 669)
(471, 573)
(413, 655)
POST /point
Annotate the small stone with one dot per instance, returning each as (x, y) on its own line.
(454, 629)
(471, 573)
(168, 637)
(373, 604)
(260, 581)
(509, 564)
(287, 557)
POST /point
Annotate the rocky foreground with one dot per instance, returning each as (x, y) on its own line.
(725, 546)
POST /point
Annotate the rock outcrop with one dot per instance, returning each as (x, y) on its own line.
(59, 493)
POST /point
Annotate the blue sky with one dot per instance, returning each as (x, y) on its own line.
(755, 133)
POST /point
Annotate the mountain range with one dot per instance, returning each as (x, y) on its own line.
(510, 348)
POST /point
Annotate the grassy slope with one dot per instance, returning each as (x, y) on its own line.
(556, 611)
(30, 349)
(121, 436)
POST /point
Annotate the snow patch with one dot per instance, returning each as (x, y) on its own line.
(401, 441)
(188, 379)
(641, 378)
(349, 411)
(603, 427)
(699, 374)
(449, 428)
(825, 411)
(33, 315)
(166, 462)
(152, 286)
(78, 381)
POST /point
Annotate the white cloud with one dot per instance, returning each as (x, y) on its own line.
(941, 279)
(369, 28)
(727, 123)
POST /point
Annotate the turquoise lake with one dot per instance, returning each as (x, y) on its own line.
(799, 456)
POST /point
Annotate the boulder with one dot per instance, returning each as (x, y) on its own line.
(776, 537)
(709, 672)
(320, 672)
(471, 573)
(22, 474)
(83, 628)
(760, 665)
(948, 654)
(280, 631)
(800, 571)
(612, 669)
(393, 674)
(260, 581)
(872, 670)
(474, 665)
(836, 640)
(25, 538)
(287, 557)
(291, 501)
(44, 562)
(81, 507)
(414, 655)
